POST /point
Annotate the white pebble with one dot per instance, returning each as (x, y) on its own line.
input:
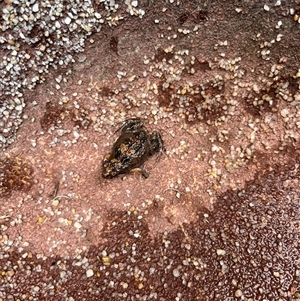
(266, 7)
(77, 225)
(297, 97)
(2, 139)
(279, 24)
(68, 20)
(89, 273)
(284, 112)
(221, 252)
(175, 273)
(134, 3)
(57, 24)
(63, 274)
(35, 7)
(76, 134)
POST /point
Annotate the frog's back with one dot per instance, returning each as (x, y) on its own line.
(131, 150)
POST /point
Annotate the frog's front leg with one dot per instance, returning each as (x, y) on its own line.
(142, 171)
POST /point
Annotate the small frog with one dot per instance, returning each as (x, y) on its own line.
(130, 151)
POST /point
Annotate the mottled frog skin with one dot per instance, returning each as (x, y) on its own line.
(130, 151)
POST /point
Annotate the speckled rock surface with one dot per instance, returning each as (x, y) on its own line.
(218, 216)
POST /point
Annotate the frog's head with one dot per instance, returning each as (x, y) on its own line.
(110, 167)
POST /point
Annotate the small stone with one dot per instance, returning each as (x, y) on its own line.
(55, 202)
(297, 97)
(58, 79)
(89, 273)
(42, 48)
(106, 260)
(76, 135)
(77, 225)
(220, 252)
(68, 20)
(284, 112)
(81, 59)
(134, 3)
(35, 7)
(36, 288)
(10, 273)
(2, 139)
(175, 273)
(86, 27)
(63, 274)
(57, 24)
(238, 293)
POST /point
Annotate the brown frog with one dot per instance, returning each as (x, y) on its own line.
(130, 151)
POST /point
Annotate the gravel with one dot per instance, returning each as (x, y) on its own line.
(36, 37)
(261, 259)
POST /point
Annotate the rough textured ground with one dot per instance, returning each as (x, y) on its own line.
(218, 217)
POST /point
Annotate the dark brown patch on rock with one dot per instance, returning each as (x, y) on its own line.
(113, 44)
(15, 175)
(161, 54)
(81, 118)
(264, 101)
(52, 116)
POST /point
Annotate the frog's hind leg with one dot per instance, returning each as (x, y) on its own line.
(142, 171)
